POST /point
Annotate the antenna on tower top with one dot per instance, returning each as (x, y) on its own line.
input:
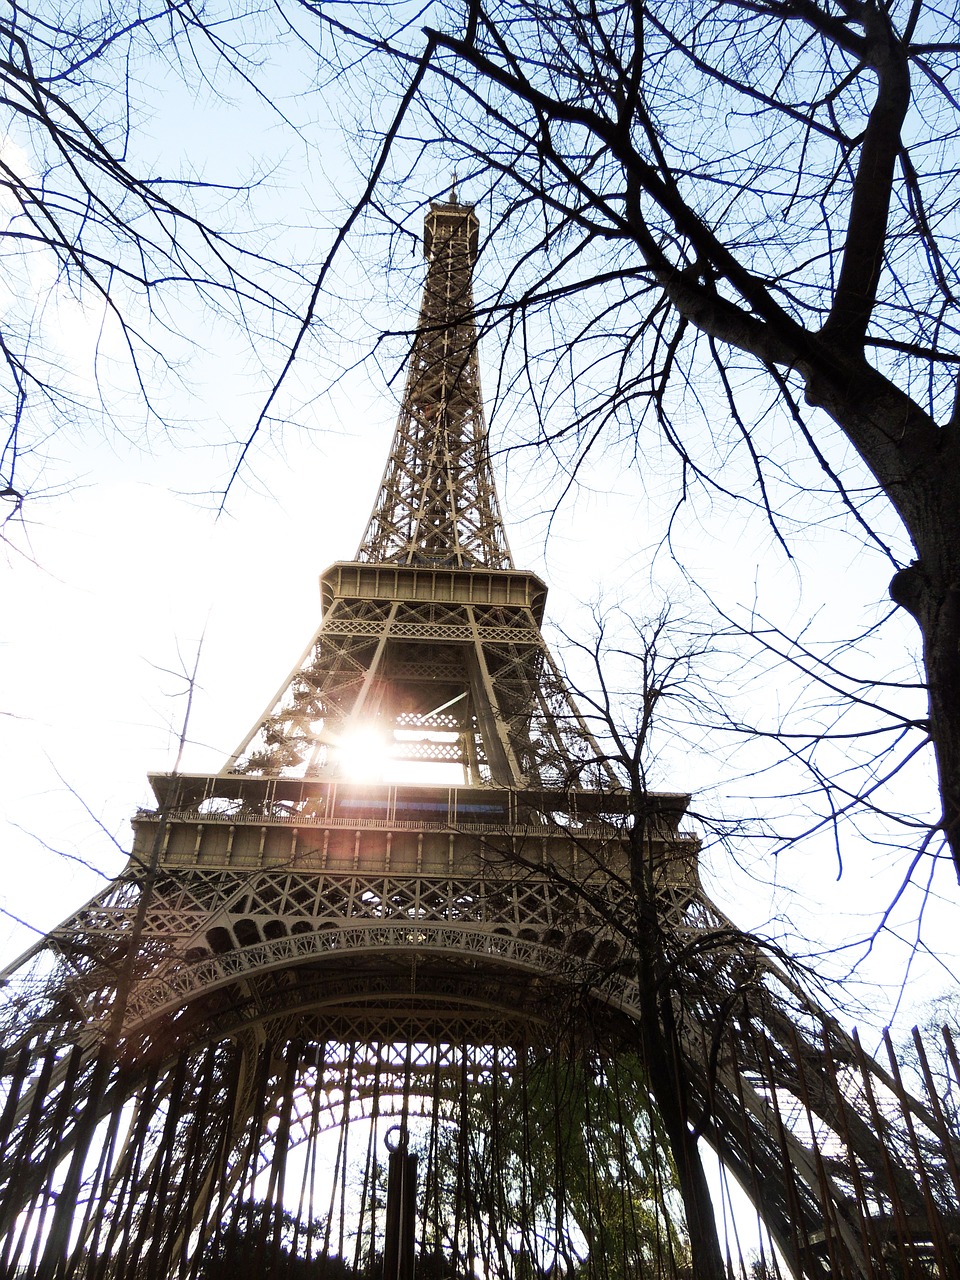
(453, 189)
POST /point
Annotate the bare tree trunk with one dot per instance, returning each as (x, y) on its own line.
(917, 464)
(932, 595)
(666, 1069)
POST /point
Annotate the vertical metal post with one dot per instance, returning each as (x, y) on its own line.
(401, 1227)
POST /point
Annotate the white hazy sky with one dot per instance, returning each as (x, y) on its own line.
(110, 584)
(127, 576)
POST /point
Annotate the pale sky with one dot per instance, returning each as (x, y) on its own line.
(115, 573)
(127, 573)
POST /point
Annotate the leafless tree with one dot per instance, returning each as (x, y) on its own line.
(755, 194)
(137, 255)
(701, 980)
(730, 190)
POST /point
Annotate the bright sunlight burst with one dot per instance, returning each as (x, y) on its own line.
(365, 754)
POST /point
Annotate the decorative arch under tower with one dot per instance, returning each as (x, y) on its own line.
(418, 898)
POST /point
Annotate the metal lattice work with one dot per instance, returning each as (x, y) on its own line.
(500, 954)
(195, 1181)
(462, 645)
(255, 967)
(438, 503)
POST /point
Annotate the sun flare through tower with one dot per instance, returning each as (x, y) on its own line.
(419, 907)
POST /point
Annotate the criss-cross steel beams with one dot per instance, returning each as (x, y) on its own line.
(537, 940)
(437, 503)
(431, 637)
(400, 647)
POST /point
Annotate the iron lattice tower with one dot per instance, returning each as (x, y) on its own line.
(474, 938)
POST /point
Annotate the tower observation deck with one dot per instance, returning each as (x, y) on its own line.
(420, 898)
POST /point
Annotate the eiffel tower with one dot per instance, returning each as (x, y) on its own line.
(420, 906)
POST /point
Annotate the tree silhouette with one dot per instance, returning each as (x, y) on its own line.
(259, 1239)
(107, 254)
(726, 191)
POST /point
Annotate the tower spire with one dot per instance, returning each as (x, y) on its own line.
(429, 657)
(437, 504)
